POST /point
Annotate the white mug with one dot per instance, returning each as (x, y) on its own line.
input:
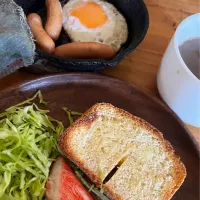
(177, 85)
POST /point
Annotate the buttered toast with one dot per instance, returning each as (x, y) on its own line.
(124, 154)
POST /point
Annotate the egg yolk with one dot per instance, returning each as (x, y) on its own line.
(91, 15)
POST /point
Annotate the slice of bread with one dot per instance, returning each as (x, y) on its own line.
(106, 137)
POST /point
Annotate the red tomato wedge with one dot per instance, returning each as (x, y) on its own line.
(63, 183)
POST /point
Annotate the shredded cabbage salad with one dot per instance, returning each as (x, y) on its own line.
(28, 146)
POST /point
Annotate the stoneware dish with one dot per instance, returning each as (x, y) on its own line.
(80, 91)
(137, 18)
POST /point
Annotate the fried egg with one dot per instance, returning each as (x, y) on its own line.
(95, 21)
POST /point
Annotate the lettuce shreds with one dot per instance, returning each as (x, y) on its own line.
(28, 146)
(71, 120)
(90, 187)
(70, 115)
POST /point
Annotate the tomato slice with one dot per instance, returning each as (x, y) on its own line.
(63, 183)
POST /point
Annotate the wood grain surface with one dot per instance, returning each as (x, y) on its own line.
(141, 67)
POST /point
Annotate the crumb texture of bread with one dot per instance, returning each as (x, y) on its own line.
(106, 137)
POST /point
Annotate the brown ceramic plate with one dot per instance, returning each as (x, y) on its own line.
(80, 91)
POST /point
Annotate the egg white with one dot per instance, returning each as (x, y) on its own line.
(113, 33)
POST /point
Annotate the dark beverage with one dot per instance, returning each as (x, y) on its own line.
(190, 52)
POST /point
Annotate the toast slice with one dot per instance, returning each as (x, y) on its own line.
(107, 138)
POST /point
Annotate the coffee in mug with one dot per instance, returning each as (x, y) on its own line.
(190, 52)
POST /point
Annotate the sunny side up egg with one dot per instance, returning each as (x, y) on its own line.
(95, 21)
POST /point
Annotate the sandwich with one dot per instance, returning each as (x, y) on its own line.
(123, 155)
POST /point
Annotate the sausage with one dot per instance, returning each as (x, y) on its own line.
(53, 25)
(43, 40)
(85, 50)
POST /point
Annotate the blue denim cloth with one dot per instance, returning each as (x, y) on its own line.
(17, 47)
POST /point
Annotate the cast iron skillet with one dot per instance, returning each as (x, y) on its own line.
(137, 18)
(81, 91)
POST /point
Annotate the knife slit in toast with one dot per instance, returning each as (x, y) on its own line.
(114, 170)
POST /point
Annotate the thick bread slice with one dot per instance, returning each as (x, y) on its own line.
(106, 137)
(92, 141)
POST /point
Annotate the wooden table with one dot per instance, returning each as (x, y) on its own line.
(140, 67)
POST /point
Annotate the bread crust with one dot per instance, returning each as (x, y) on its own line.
(86, 121)
(65, 145)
